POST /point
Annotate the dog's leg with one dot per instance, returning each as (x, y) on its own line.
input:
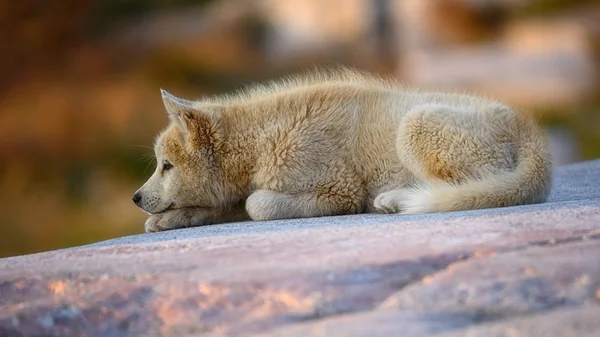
(448, 149)
(193, 216)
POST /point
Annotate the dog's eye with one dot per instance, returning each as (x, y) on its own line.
(166, 165)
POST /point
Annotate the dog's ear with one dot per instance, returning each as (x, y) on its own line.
(188, 114)
(199, 123)
(180, 110)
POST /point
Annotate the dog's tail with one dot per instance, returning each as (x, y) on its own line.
(528, 183)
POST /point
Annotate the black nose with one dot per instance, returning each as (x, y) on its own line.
(137, 197)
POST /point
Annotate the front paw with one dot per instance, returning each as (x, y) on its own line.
(160, 222)
(177, 218)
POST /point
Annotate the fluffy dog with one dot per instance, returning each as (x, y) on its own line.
(333, 142)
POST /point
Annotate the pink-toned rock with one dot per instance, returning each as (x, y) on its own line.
(477, 273)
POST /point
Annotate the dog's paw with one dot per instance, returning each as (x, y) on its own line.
(391, 201)
(178, 218)
(162, 222)
(152, 223)
(404, 200)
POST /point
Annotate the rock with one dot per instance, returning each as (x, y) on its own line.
(529, 270)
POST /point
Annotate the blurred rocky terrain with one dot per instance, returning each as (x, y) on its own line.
(79, 84)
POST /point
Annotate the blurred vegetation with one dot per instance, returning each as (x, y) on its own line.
(80, 106)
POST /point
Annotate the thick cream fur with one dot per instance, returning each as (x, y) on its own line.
(341, 142)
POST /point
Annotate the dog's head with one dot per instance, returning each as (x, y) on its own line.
(187, 167)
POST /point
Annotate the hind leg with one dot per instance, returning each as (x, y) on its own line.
(441, 144)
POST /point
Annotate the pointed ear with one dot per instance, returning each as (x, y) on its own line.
(179, 109)
(199, 123)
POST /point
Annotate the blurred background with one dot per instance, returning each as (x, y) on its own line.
(79, 83)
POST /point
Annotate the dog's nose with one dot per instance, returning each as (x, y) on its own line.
(137, 197)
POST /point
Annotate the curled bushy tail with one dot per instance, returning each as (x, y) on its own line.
(528, 183)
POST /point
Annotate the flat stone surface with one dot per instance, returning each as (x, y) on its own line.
(518, 271)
